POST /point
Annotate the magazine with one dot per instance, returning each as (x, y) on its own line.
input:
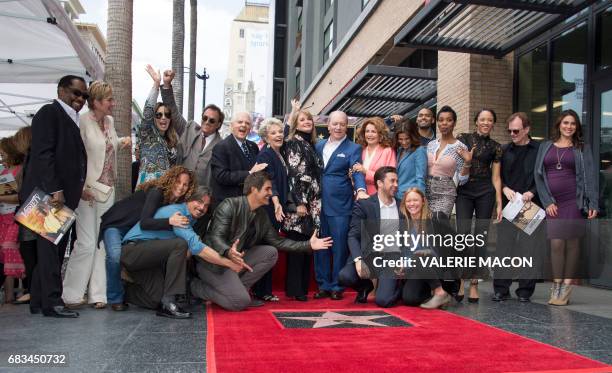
(8, 185)
(38, 215)
(526, 216)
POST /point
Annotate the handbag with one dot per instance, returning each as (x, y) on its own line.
(100, 191)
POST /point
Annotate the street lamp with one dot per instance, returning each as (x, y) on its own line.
(203, 77)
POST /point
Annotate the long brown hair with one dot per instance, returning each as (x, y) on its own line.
(166, 182)
(294, 123)
(425, 216)
(411, 130)
(170, 136)
(577, 139)
(23, 140)
(12, 156)
(381, 129)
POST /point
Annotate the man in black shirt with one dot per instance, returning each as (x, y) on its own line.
(517, 177)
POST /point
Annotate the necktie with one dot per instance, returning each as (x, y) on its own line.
(246, 151)
(203, 143)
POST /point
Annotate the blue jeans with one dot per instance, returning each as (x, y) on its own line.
(112, 242)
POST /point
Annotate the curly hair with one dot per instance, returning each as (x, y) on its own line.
(166, 182)
(421, 224)
(381, 128)
(170, 136)
(12, 157)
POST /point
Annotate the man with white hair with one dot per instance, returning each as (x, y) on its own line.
(233, 159)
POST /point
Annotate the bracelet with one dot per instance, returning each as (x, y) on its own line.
(467, 165)
(357, 259)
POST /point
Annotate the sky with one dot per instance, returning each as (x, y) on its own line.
(152, 43)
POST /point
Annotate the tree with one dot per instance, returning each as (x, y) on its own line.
(178, 50)
(193, 35)
(118, 72)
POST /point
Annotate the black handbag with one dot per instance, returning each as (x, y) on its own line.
(585, 199)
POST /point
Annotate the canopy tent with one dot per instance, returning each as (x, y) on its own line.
(39, 45)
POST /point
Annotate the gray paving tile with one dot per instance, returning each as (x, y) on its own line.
(156, 368)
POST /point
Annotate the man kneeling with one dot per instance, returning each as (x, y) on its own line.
(156, 260)
(241, 231)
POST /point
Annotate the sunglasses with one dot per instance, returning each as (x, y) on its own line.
(208, 119)
(78, 93)
(514, 132)
(161, 114)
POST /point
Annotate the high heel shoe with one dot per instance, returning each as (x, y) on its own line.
(473, 285)
(554, 292)
(564, 293)
(459, 296)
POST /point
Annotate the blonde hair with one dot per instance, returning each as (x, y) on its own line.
(98, 90)
(425, 215)
(293, 126)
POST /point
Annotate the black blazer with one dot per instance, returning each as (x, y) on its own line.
(365, 223)
(230, 167)
(280, 182)
(57, 160)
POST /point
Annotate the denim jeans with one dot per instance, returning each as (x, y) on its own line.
(112, 242)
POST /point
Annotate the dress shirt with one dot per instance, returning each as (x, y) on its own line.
(193, 240)
(70, 111)
(389, 221)
(329, 149)
(209, 139)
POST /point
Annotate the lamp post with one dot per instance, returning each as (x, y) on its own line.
(203, 77)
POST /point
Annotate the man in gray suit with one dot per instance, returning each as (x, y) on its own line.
(196, 140)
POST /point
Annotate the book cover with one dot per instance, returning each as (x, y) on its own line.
(8, 185)
(38, 215)
(526, 216)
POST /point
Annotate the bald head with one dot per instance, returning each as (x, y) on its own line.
(337, 125)
(241, 125)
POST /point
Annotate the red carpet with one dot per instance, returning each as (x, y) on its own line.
(437, 341)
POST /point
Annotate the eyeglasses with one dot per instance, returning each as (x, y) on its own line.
(78, 93)
(159, 114)
(513, 132)
(208, 119)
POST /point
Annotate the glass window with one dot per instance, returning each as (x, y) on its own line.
(240, 73)
(569, 59)
(605, 152)
(328, 4)
(328, 42)
(364, 3)
(298, 73)
(604, 40)
(532, 89)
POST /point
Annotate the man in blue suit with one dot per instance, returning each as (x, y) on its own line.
(339, 155)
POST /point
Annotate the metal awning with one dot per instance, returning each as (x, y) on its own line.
(484, 26)
(384, 90)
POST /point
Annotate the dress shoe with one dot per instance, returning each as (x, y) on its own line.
(34, 310)
(322, 294)
(458, 297)
(173, 311)
(301, 298)
(362, 295)
(499, 297)
(437, 301)
(524, 299)
(473, 300)
(119, 307)
(60, 311)
(336, 295)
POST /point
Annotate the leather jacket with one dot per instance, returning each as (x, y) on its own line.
(233, 219)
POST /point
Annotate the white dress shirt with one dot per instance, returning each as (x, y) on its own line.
(389, 221)
(209, 140)
(329, 149)
(70, 111)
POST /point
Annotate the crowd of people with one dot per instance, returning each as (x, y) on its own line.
(209, 213)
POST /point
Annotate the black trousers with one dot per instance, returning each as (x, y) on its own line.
(387, 292)
(46, 284)
(298, 269)
(27, 249)
(158, 268)
(417, 291)
(451, 277)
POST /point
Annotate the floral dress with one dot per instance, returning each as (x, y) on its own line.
(156, 157)
(9, 245)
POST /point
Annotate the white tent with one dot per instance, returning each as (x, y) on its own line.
(39, 44)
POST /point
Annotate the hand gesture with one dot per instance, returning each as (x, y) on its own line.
(527, 197)
(396, 118)
(168, 76)
(258, 167)
(155, 75)
(362, 270)
(295, 105)
(301, 210)
(465, 154)
(178, 220)
(509, 193)
(237, 263)
(592, 214)
(551, 210)
(126, 142)
(57, 200)
(358, 167)
(87, 195)
(320, 243)
(362, 195)
(278, 212)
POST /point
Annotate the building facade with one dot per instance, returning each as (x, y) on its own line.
(382, 57)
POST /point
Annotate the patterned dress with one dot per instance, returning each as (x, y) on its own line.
(441, 189)
(156, 157)
(304, 168)
(9, 245)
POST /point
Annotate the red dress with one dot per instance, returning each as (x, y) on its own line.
(9, 245)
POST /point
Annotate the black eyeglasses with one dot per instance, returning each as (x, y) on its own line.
(515, 132)
(78, 93)
(161, 114)
(208, 119)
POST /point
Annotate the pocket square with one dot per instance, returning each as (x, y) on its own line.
(341, 155)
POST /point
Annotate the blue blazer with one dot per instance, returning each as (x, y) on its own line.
(280, 183)
(337, 191)
(411, 171)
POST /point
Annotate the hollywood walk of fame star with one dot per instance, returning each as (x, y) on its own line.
(331, 319)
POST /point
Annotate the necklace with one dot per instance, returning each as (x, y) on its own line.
(559, 166)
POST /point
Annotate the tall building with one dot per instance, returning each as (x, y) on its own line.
(245, 88)
(93, 37)
(382, 57)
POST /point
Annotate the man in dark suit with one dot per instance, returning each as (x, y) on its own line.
(233, 159)
(372, 216)
(58, 166)
(339, 155)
